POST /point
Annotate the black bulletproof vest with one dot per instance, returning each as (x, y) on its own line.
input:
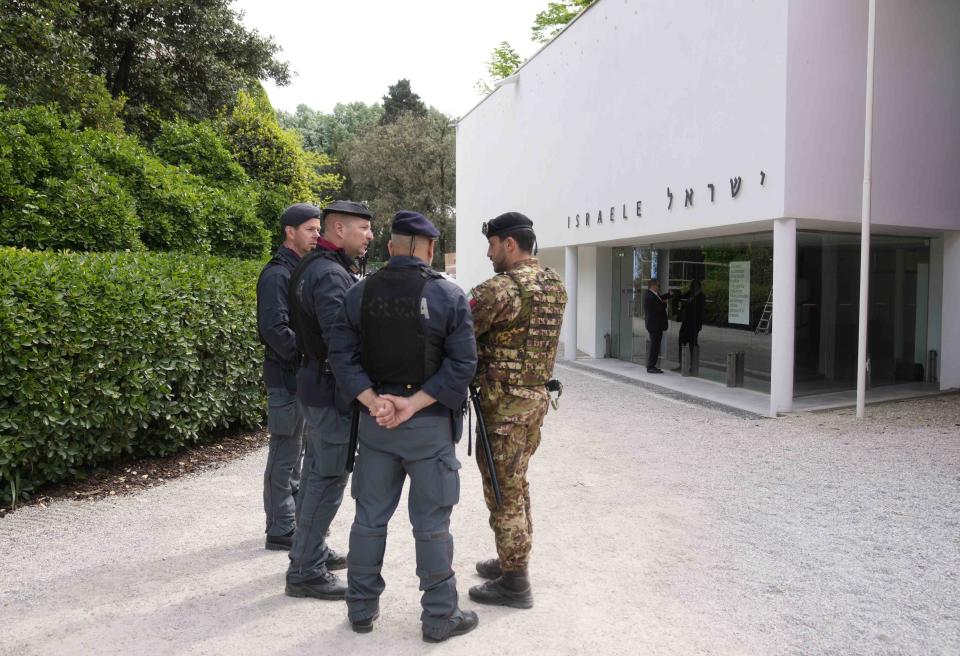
(394, 347)
(309, 338)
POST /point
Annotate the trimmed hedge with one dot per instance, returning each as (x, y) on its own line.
(110, 354)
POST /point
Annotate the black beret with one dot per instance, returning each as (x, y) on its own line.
(348, 207)
(297, 214)
(406, 222)
(506, 224)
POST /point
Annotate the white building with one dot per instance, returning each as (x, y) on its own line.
(723, 141)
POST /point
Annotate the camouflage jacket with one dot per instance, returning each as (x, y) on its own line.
(517, 317)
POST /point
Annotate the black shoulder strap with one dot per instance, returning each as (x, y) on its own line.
(430, 272)
(306, 328)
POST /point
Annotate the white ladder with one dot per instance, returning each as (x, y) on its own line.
(763, 326)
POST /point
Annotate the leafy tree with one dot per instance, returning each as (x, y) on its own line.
(555, 17)
(174, 57)
(274, 158)
(400, 99)
(325, 133)
(43, 59)
(504, 62)
(407, 164)
(267, 152)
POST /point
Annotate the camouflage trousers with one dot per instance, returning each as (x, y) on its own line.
(513, 416)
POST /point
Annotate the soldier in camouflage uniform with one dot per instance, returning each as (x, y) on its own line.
(516, 318)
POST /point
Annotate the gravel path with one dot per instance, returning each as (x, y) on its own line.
(661, 528)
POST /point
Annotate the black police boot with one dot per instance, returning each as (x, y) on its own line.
(365, 625)
(511, 589)
(465, 624)
(326, 586)
(279, 542)
(489, 569)
(335, 561)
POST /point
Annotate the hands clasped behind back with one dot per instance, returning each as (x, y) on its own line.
(390, 410)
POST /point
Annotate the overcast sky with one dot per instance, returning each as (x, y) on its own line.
(347, 50)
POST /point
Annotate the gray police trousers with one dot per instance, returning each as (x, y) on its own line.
(281, 477)
(321, 491)
(423, 449)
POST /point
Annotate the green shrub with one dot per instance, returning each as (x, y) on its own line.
(198, 148)
(235, 229)
(275, 159)
(53, 194)
(89, 211)
(63, 187)
(106, 355)
(271, 202)
(170, 200)
(232, 198)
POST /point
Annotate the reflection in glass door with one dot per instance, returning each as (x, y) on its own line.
(827, 315)
(630, 272)
(623, 303)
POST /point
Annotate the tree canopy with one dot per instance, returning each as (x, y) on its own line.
(504, 62)
(160, 58)
(400, 98)
(555, 17)
(407, 164)
(325, 133)
(178, 58)
(44, 59)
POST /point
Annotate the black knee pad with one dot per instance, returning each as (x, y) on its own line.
(367, 546)
(434, 557)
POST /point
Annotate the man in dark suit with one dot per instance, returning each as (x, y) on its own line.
(655, 318)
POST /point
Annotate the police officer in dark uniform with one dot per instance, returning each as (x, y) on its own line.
(403, 346)
(317, 288)
(301, 225)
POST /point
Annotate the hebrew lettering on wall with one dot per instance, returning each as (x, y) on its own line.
(735, 186)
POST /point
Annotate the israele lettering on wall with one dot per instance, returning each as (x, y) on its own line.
(612, 215)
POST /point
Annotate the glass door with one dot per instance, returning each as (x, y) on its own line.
(623, 303)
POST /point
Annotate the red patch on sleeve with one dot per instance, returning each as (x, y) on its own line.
(473, 303)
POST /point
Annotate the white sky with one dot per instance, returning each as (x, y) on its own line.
(347, 50)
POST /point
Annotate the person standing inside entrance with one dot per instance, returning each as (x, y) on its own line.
(655, 318)
(692, 304)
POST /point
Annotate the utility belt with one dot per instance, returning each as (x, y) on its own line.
(396, 389)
